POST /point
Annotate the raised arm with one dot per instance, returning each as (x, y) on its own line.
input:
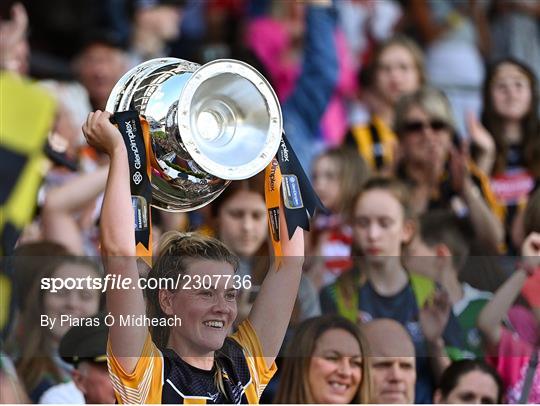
(304, 108)
(489, 320)
(62, 203)
(118, 240)
(273, 307)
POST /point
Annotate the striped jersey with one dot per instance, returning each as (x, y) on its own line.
(376, 143)
(163, 377)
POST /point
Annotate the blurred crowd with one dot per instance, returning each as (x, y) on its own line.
(418, 123)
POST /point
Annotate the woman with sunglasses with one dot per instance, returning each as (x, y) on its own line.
(437, 167)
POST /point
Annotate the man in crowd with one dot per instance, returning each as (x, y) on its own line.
(393, 363)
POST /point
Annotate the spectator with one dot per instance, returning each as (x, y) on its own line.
(392, 362)
(239, 215)
(379, 286)
(438, 170)
(470, 382)
(338, 175)
(509, 144)
(85, 347)
(439, 251)
(397, 68)
(38, 363)
(514, 358)
(100, 63)
(325, 362)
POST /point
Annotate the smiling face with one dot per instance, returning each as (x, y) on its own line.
(72, 302)
(396, 73)
(379, 225)
(475, 387)
(207, 314)
(335, 369)
(242, 222)
(511, 92)
(326, 182)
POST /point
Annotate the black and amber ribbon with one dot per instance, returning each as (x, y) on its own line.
(285, 179)
(136, 135)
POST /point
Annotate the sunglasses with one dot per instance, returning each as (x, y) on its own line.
(418, 126)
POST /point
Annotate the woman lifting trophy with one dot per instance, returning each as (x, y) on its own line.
(182, 133)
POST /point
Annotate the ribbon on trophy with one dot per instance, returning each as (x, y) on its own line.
(136, 135)
(285, 178)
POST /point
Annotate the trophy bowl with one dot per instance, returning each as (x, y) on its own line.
(208, 124)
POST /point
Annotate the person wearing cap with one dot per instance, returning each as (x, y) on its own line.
(85, 347)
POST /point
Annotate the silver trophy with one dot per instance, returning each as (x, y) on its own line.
(209, 125)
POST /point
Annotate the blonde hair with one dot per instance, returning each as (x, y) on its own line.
(294, 383)
(175, 251)
(408, 44)
(429, 99)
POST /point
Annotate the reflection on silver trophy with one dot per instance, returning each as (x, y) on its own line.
(208, 124)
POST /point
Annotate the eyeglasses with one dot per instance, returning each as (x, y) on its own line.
(417, 126)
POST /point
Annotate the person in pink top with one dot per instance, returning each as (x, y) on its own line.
(515, 359)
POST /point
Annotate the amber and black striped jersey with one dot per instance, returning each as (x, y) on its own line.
(163, 377)
(375, 142)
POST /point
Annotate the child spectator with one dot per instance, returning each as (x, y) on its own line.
(439, 251)
(338, 175)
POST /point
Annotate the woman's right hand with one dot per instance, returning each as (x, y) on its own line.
(101, 133)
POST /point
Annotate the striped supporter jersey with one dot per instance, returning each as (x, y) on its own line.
(163, 377)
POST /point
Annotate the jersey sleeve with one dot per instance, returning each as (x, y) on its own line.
(248, 340)
(144, 384)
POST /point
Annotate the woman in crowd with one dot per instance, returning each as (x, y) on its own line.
(37, 344)
(326, 362)
(469, 381)
(436, 165)
(508, 143)
(240, 222)
(188, 355)
(380, 287)
(338, 175)
(397, 68)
